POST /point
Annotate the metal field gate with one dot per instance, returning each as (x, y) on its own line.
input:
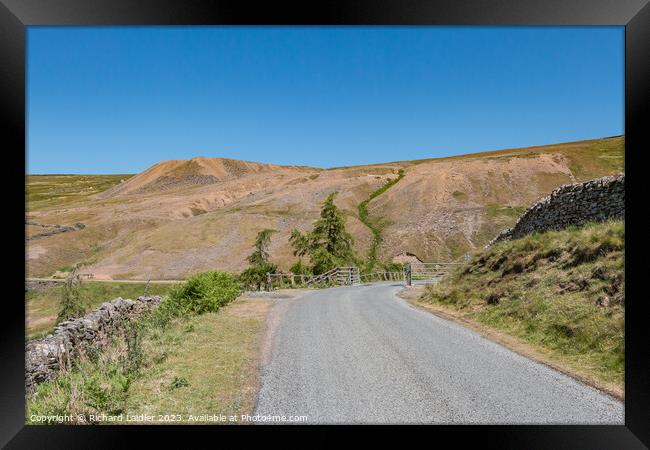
(338, 276)
(421, 272)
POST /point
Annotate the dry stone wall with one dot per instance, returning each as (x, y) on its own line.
(53, 229)
(47, 356)
(572, 204)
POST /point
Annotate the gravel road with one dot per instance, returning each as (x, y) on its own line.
(362, 355)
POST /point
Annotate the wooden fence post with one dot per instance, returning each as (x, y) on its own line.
(269, 285)
(408, 274)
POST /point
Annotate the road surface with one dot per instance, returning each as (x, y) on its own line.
(362, 355)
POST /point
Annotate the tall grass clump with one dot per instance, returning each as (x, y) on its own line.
(98, 384)
(71, 304)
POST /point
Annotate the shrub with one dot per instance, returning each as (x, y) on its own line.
(205, 292)
(322, 261)
(254, 277)
(300, 268)
(71, 304)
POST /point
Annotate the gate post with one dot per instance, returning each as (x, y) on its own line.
(408, 274)
(269, 284)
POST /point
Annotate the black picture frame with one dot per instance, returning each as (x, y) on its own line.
(16, 15)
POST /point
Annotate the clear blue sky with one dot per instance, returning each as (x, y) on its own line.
(119, 99)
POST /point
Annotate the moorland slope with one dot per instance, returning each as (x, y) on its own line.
(181, 217)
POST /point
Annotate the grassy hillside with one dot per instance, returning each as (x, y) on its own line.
(589, 158)
(446, 207)
(563, 292)
(45, 191)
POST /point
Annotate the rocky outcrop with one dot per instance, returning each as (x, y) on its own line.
(573, 204)
(45, 357)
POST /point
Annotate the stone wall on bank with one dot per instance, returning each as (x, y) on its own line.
(572, 204)
(47, 356)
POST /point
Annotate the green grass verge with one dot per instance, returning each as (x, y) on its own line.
(174, 360)
(42, 305)
(204, 365)
(200, 366)
(562, 292)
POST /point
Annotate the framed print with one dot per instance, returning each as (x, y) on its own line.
(347, 214)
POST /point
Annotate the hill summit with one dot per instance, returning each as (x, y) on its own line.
(175, 174)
